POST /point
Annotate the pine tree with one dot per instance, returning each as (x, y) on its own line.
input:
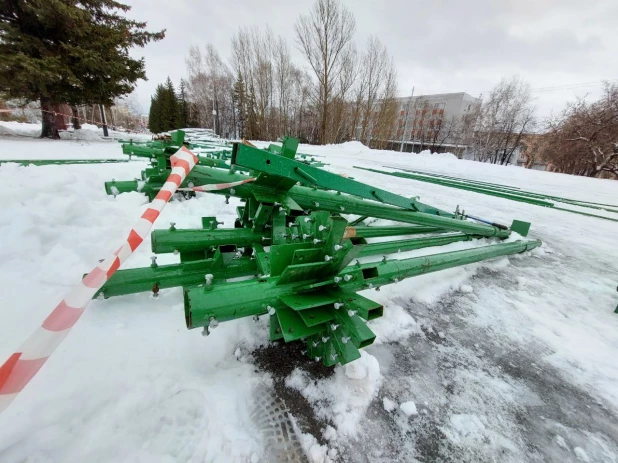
(155, 123)
(252, 126)
(239, 98)
(62, 51)
(183, 107)
(168, 107)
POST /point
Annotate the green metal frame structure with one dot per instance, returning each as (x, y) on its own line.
(293, 255)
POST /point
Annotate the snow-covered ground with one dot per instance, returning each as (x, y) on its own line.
(510, 360)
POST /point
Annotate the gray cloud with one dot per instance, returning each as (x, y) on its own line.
(438, 46)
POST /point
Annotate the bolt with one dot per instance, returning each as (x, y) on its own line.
(327, 258)
(322, 228)
(172, 225)
(342, 208)
(315, 344)
(325, 339)
(395, 280)
(227, 199)
(209, 278)
(190, 185)
(316, 241)
(317, 359)
(333, 357)
(334, 327)
(345, 339)
(292, 224)
(153, 260)
(337, 279)
(316, 204)
(213, 323)
(351, 313)
(205, 331)
(265, 238)
(305, 236)
(232, 191)
(338, 247)
(271, 310)
(176, 252)
(338, 305)
(348, 277)
(294, 237)
(309, 220)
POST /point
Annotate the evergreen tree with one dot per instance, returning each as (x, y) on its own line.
(240, 103)
(155, 123)
(183, 107)
(62, 51)
(168, 107)
(252, 127)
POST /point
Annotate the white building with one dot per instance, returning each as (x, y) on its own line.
(434, 121)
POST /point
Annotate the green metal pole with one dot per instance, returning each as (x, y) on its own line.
(518, 196)
(185, 274)
(165, 241)
(228, 301)
(46, 162)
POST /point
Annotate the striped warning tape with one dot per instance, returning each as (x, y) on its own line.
(21, 367)
(217, 186)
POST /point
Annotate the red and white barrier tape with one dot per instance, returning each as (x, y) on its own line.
(218, 186)
(21, 367)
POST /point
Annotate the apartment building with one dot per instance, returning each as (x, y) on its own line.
(433, 122)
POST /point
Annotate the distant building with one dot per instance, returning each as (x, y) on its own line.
(436, 122)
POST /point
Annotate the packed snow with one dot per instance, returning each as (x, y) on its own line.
(507, 360)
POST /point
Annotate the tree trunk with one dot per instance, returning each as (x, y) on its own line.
(75, 118)
(48, 128)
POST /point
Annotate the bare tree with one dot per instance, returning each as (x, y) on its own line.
(584, 140)
(209, 87)
(323, 36)
(504, 118)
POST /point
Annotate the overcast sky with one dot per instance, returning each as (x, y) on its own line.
(438, 46)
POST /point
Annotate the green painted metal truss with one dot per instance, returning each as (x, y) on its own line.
(294, 254)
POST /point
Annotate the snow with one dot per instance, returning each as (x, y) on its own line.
(388, 404)
(507, 360)
(88, 132)
(409, 408)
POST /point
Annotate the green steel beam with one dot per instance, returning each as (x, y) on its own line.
(461, 186)
(311, 198)
(293, 171)
(186, 274)
(166, 241)
(518, 196)
(46, 162)
(322, 310)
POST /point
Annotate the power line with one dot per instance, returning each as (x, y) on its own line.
(570, 86)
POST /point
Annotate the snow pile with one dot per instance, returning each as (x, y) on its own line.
(19, 129)
(345, 396)
(497, 358)
(409, 408)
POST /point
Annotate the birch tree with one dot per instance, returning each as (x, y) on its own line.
(323, 36)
